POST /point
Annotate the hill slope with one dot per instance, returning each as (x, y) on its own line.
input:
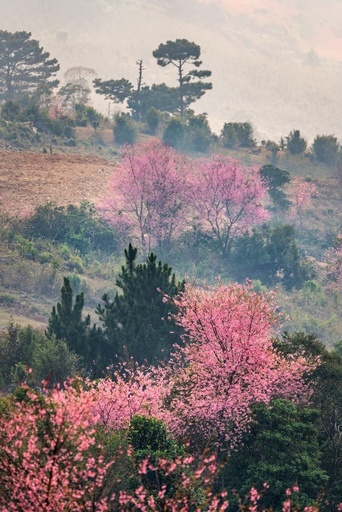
(276, 64)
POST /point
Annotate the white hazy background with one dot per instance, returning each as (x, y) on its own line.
(275, 63)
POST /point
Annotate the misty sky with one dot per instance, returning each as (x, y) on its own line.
(275, 63)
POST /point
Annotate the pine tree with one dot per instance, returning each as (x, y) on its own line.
(66, 323)
(180, 53)
(24, 66)
(137, 321)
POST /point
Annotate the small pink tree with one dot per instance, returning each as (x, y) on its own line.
(139, 391)
(229, 361)
(56, 109)
(227, 198)
(333, 258)
(147, 193)
(300, 195)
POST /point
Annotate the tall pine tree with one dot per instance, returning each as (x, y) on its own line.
(137, 321)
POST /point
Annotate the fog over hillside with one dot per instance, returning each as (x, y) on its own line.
(276, 63)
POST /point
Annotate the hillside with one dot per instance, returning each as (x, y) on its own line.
(276, 65)
(28, 288)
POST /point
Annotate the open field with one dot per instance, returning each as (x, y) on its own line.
(28, 179)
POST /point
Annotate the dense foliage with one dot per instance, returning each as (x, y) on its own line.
(80, 227)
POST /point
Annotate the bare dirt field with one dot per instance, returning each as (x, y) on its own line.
(28, 179)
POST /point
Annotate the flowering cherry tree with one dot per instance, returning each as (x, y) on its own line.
(147, 193)
(45, 458)
(300, 195)
(227, 199)
(227, 364)
(229, 361)
(139, 391)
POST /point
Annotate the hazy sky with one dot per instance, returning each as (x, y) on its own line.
(276, 63)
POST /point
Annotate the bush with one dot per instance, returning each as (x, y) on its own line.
(325, 149)
(26, 248)
(229, 136)
(10, 111)
(47, 257)
(271, 255)
(152, 120)
(296, 144)
(17, 345)
(125, 129)
(275, 179)
(174, 133)
(237, 134)
(86, 114)
(80, 227)
(6, 299)
(54, 361)
(198, 133)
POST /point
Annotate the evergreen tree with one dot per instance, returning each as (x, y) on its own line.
(281, 449)
(269, 253)
(325, 149)
(137, 321)
(24, 66)
(66, 323)
(327, 399)
(296, 144)
(275, 179)
(191, 85)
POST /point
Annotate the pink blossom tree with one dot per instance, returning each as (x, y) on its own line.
(56, 109)
(46, 462)
(229, 362)
(128, 393)
(227, 198)
(300, 195)
(147, 193)
(333, 258)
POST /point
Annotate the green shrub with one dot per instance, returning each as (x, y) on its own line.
(270, 254)
(198, 133)
(325, 149)
(174, 134)
(237, 134)
(229, 136)
(79, 227)
(25, 247)
(75, 263)
(7, 299)
(54, 361)
(296, 144)
(47, 257)
(125, 129)
(152, 120)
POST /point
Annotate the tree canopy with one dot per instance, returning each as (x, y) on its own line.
(114, 90)
(24, 65)
(179, 53)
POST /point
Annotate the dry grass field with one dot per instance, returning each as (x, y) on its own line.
(28, 179)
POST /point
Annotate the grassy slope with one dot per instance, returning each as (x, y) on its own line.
(35, 287)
